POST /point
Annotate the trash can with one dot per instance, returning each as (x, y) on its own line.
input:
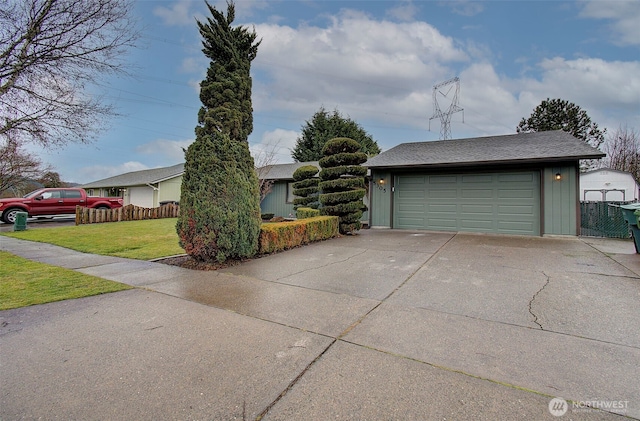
(20, 224)
(631, 212)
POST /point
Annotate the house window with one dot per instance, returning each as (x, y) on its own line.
(90, 192)
(290, 195)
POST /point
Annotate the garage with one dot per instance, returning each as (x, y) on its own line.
(522, 184)
(504, 203)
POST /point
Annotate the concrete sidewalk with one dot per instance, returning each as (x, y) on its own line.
(382, 325)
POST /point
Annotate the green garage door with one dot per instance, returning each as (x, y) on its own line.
(505, 203)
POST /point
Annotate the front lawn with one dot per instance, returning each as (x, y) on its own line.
(24, 283)
(143, 240)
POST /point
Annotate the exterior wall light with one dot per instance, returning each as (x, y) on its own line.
(558, 176)
(380, 183)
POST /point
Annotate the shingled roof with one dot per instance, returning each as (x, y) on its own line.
(550, 146)
(138, 178)
(283, 171)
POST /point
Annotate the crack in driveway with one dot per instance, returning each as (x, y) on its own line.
(325, 265)
(535, 317)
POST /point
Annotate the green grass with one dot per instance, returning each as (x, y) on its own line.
(143, 240)
(24, 283)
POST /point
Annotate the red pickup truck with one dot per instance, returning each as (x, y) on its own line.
(53, 201)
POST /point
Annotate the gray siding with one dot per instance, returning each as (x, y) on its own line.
(275, 202)
(561, 202)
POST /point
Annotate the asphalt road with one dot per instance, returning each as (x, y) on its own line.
(43, 222)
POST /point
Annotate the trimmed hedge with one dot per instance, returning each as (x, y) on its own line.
(303, 213)
(285, 235)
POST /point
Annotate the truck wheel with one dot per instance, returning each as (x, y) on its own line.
(9, 215)
(103, 208)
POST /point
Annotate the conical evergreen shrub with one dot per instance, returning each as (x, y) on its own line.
(219, 204)
(342, 183)
(306, 187)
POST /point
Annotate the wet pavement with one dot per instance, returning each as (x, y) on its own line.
(382, 325)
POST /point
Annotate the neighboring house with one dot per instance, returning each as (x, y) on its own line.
(605, 184)
(526, 183)
(146, 188)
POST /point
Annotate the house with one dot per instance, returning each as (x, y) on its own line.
(279, 201)
(146, 188)
(605, 184)
(526, 184)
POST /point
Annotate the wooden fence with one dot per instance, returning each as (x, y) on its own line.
(125, 213)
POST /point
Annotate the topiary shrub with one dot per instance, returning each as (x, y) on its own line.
(219, 204)
(342, 183)
(305, 187)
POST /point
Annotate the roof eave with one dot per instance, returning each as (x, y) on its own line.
(466, 164)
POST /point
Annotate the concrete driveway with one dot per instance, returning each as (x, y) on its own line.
(382, 325)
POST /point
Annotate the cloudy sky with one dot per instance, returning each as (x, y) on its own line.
(375, 62)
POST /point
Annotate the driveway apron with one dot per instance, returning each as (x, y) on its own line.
(382, 325)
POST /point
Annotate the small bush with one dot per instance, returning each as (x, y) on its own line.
(285, 235)
(267, 216)
(303, 213)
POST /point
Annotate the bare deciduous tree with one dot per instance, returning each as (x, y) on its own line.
(265, 158)
(623, 151)
(17, 168)
(51, 53)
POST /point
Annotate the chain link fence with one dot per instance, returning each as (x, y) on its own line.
(603, 219)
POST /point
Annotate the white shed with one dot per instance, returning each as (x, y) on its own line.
(607, 185)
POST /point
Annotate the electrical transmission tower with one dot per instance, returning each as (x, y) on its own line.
(444, 89)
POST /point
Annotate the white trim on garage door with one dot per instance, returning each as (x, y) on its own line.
(503, 202)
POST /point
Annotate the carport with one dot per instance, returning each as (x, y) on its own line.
(526, 184)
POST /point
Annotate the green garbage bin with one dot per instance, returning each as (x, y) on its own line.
(631, 212)
(20, 224)
(628, 212)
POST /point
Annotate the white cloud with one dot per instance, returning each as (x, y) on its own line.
(356, 64)
(608, 91)
(404, 12)
(624, 15)
(381, 74)
(170, 149)
(177, 14)
(98, 172)
(274, 148)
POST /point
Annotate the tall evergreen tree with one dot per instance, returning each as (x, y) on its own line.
(325, 126)
(559, 114)
(220, 200)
